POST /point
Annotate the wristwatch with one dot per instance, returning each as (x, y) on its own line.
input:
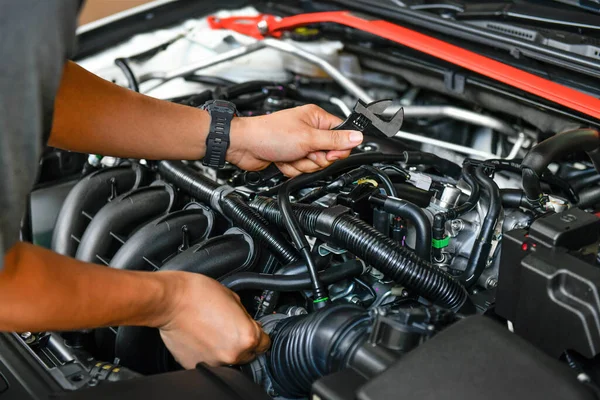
(217, 142)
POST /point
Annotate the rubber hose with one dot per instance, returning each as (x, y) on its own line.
(540, 156)
(291, 283)
(589, 197)
(132, 82)
(513, 198)
(445, 166)
(586, 181)
(233, 207)
(412, 213)
(353, 161)
(547, 177)
(399, 263)
(481, 249)
(308, 347)
(417, 196)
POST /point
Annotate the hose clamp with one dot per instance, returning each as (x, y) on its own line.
(218, 194)
(248, 239)
(325, 220)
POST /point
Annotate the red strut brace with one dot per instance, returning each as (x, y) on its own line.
(269, 25)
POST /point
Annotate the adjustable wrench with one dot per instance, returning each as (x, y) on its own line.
(366, 119)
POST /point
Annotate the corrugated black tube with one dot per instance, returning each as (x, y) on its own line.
(253, 223)
(188, 180)
(291, 283)
(233, 207)
(361, 239)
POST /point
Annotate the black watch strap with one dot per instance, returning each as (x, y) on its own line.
(217, 142)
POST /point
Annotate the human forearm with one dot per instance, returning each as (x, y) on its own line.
(81, 295)
(95, 116)
(187, 308)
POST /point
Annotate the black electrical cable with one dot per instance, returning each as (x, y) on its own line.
(481, 249)
(353, 161)
(209, 80)
(132, 81)
(383, 178)
(403, 173)
(412, 213)
(291, 283)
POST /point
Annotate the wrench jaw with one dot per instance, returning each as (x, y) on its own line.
(366, 119)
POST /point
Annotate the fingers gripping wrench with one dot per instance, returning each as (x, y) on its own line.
(366, 119)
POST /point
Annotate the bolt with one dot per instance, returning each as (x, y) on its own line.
(93, 382)
(430, 328)
(491, 283)
(25, 335)
(498, 236)
(355, 300)
(582, 377)
(263, 27)
(457, 225)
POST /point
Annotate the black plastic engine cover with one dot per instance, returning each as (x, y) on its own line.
(476, 359)
(546, 286)
(201, 383)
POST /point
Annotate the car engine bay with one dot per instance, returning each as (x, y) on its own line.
(483, 203)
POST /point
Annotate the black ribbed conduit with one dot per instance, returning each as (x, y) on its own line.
(291, 223)
(361, 239)
(483, 244)
(290, 283)
(414, 214)
(540, 156)
(232, 205)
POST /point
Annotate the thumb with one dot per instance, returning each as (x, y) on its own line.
(334, 140)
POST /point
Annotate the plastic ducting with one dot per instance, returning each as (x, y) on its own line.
(86, 198)
(116, 221)
(150, 246)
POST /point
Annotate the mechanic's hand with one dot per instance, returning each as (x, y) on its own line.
(298, 140)
(206, 322)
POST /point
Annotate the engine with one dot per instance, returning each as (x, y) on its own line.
(349, 268)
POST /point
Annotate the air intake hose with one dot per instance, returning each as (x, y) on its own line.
(232, 206)
(539, 157)
(308, 347)
(353, 234)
